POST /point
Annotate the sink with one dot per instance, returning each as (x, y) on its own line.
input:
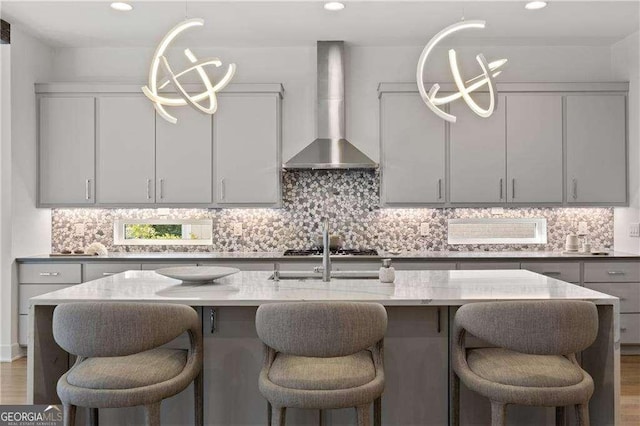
(335, 275)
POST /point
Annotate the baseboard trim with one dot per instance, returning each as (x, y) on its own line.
(629, 349)
(9, 353)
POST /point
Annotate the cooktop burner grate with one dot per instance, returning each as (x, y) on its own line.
(337, 252)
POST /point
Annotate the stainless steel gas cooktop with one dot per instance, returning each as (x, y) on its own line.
(335, 252)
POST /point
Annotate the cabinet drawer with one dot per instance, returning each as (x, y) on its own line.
(604, 272)
(489, 265)
(50, 273)
(243, 266)
(418, 265)
(630, 329)
(23, 330)
(27, 291)
(562, 271)
(354, 265)
(93, 271)
(628, 293)
(154, 266)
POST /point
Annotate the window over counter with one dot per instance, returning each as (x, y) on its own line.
(163, 231)
(497, 231)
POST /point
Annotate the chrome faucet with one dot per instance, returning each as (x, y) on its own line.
(326, 254)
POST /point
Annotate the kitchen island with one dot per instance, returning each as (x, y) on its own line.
(420, 306)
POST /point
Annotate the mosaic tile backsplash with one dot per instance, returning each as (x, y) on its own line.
(350, 199)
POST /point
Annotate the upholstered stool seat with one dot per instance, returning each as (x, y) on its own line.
(534, 362)
(301, 372)
(322, 356)
(120, 359)
(127, 372)
(526, 379)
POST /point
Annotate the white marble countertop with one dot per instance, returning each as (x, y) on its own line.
(279, 256)
(439, 288)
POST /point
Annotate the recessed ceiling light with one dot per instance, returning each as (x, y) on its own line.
(334, 5)
(121, 6)
(535, 5)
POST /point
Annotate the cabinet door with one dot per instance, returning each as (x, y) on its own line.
(412, 151)
(126, 150)
(247, 149)
(67, 151)
(596, 149)
(534, 148)
(477, 154)
(184, 158)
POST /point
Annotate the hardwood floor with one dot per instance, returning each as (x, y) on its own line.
(630, 389)
(13, 382)
(13, 386)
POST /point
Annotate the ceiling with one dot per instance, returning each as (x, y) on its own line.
(300, 23)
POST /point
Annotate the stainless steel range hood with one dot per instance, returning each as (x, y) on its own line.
(330, 150)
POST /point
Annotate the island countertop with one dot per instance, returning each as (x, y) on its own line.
(252, 288)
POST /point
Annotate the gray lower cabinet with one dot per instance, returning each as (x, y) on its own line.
(247, 163)
(534, 148)
(41, 278)
(477, 155)
(488, 265)
(66, 151)
(412, 151)
(620, 279)
(565, 271)
(416, 364)
(596, 156)
(184, 158)
(125, 150)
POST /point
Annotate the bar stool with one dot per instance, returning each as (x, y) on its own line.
(534, 362)
(322, 356)
(119, 359)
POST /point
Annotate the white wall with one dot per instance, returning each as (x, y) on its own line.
(625, 60)
(24, 230)
(367, 66)
(6, 288)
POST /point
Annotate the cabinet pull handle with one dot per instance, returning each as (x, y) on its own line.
(106, 274)
(49, 274)
(222, 190)
(148, 189)
(513, 188)
(439, 189)
(212, 320)
(439, 323)
(615, 273)
(623, 298)
(87, 189)
(161, 189)
(551, 273)
(623, 329)
(575, 188)
(500, 183)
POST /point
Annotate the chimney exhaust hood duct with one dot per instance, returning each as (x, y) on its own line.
(330, 150)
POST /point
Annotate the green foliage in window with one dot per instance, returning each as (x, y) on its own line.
(153, 232)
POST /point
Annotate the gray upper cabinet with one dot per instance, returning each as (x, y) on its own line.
(477, 154)
(596, 149)
(66, 152)
(247, 162)
(126, 150)
(534, 148)
(412, 151)
(184, 158)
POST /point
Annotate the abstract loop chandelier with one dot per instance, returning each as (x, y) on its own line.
(489, 71)
(159, 59)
